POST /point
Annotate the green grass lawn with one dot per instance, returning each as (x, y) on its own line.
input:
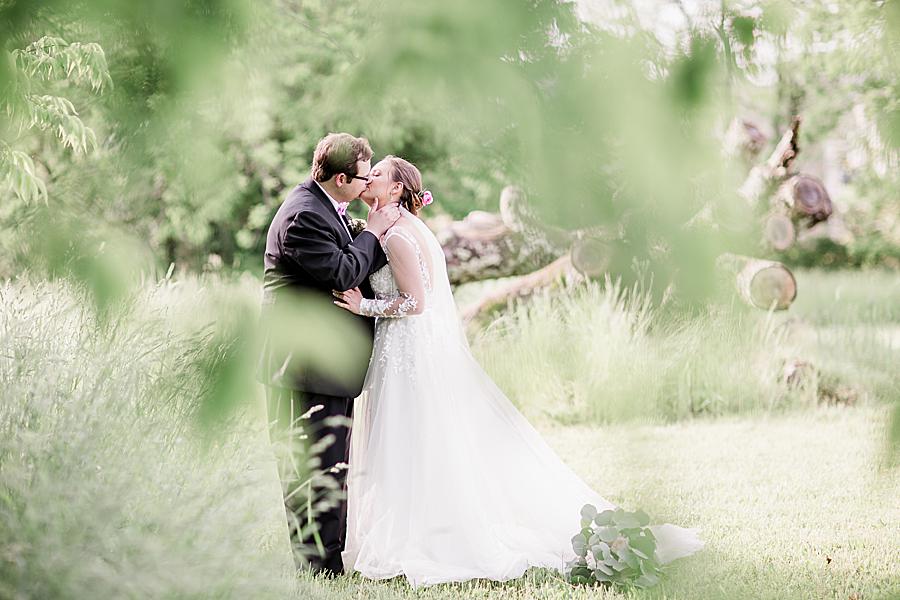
(111, 488)
(791, 506)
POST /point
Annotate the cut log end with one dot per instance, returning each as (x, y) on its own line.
(768, 285)
(765, 284)
(590, 256)
(807, 197)
(779, 232)
(744, 137)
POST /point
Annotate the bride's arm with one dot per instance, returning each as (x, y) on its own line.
(400, 248)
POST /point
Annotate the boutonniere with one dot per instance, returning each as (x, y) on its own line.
(356, 226)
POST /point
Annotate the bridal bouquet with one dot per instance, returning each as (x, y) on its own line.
(614, 547)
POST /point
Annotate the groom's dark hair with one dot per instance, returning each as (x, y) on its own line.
(338, 153)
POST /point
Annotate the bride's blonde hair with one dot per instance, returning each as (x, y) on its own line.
(404, 172)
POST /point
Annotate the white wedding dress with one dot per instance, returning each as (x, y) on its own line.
(447, 480)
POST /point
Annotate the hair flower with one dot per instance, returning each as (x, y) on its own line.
(427, 198)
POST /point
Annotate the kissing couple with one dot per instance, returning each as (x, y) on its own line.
(447, 481)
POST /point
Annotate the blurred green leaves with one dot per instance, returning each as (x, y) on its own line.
(106, 262)
(890, 117)
(583, 120)
(303, 329)
(309, 330)
(167, 60)
(744, 29)
(692, 75)
(776, 16)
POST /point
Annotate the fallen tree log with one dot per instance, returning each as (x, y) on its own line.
(763, 284)
(558, 271)
(474, 256)
(486, 245)
(515, 243)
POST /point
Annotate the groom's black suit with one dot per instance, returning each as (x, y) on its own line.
(309, 253)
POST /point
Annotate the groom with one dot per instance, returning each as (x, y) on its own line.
(310, 251)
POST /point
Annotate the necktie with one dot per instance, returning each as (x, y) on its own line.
(342, 213)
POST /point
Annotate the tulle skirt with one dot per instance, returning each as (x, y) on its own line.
(448, 481)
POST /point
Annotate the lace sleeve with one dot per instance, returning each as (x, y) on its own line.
(402, 251)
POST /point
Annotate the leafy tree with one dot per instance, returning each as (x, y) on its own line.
(48, 61)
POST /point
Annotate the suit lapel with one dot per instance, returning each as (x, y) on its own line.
(328, 208)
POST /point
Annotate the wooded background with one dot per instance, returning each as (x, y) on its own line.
(641, 139)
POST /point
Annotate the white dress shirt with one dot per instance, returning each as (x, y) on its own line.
(336, 206)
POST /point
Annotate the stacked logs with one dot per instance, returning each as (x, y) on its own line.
(489, 246)
(798, 202)
(514, 243)
(801, 201)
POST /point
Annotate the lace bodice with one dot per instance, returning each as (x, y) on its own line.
(383, 284)
(402, 287)
(405, 300)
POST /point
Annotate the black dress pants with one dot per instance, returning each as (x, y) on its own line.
(315, 492)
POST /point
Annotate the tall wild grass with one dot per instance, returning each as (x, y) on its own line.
(109, 488)
(603, 353)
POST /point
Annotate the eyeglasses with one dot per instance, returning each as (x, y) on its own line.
(366, 179)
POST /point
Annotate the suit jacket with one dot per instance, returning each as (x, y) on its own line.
(308, 254)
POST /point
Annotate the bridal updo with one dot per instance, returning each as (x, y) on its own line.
(407, 174)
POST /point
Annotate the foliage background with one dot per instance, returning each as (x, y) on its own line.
(607, 112)
(144, 148)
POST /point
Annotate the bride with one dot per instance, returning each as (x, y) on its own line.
(447, 480)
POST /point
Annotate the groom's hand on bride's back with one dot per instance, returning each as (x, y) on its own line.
(381, 218)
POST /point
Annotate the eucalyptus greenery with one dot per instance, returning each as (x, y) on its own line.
(616, 548)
